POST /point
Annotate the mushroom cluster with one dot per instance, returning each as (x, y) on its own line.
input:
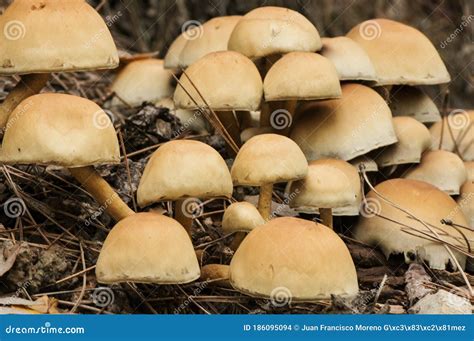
(304, 119)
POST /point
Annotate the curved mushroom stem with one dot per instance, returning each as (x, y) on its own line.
(29, 85)
(326, 216)
(216, 274)
(238, 238)
(265, 201)
(183, 215)
(230, 123)
(105, 195)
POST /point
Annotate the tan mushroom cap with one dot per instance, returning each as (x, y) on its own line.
(51, 36)
(330, 183)
(171, 60)
(273, 30)
(400, 54)
(58, 129)
(213, 36)
(295, 258)
(147, 248)
(413, 102)
(466, 201)
(457, 127)
(144, 80)
(368, 163)
(268, 159)
(301, 76)
(241, 217)
(344, 128)
(413, 139)
(469, 170)
(442, 169)
(425, 202)
(350, 60)
(181, 169)
(226, 79)
(190, 119)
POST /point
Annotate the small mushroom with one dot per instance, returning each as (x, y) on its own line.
(32, 45)
(240, 218)
(147, 248)
(184, 171)
(68, 131)
(330, 184)
(190, 119)
(442, 169)
(216, 275)
(413, 102)
(265, 160)
(291, 259)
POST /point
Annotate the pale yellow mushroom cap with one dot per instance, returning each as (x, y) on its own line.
(413, 139)
(442, 169)
(295, 258)
(143, 80)
(344, 128)
(52, 36)
(301, 76)
(400, 54)
(58, 129)
(268, 159)
(147, 248)
(383, 225)
(181, 169)
(413, 102)
(330, 183)
(171, 60)
(466, 201)
(241, 217)
(227, 80)
(350, 60)
(273, 30)
(470, 170)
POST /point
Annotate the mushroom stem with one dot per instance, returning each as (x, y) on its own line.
(183, 215)
(326, 216)
(108, 199)
(29, 85)
(230, 123)
(265, 201)
(238, 238)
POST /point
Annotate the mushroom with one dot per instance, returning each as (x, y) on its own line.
(413, 139)
(297, 76)
(183, 171)
(143, 80)
(400, 54)
(293, 259)
(413, 102)
(68, 131)
(242, 89)
(248, 133)
(365, 162)
(33, 46)
(469, 170)
(394, 231)
(330, 184)
(350, 60)
(442, 169)
(171, 60)
(265, 160)
(190, 119)
(240, 218)
(344, 128)
(455, 133)
(216, 275)
(147, 248)
(466, 201)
